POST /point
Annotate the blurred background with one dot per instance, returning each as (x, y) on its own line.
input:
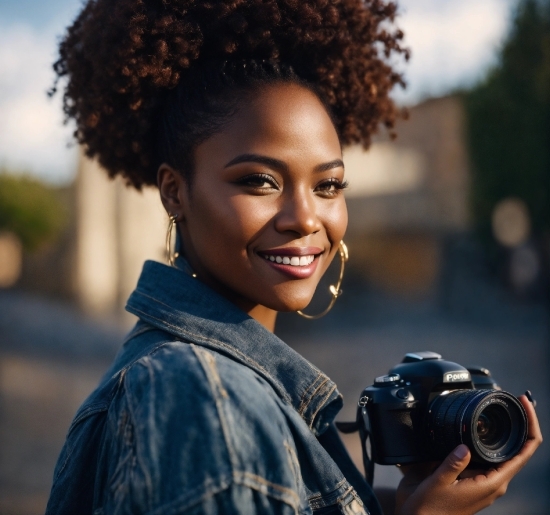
(449, 235)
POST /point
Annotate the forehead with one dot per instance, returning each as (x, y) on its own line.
(286, 121)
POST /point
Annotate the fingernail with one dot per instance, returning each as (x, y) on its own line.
(530, 397)
(461, 451)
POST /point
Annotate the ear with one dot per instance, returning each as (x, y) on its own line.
(173, 190)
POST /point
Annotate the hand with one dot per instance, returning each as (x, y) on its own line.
(428, 489)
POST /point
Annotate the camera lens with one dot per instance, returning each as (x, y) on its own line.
(492, 423)
(493, 426)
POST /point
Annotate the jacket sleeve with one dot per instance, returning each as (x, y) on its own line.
(183, 437)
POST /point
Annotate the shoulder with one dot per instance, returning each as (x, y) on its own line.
(202, 423)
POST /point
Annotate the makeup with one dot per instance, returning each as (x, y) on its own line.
(296, 262)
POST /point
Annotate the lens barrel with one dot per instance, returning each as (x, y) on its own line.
(492, 423)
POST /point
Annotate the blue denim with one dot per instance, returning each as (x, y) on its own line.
(204, 411)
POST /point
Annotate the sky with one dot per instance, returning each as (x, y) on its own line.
(453, 43)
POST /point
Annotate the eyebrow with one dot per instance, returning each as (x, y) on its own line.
(277, 164)
(337, 163)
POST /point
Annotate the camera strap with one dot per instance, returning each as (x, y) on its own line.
(361, 425)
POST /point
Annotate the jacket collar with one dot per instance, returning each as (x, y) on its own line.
(171, 300)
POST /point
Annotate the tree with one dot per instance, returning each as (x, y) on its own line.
(29, 209)
(508, 122)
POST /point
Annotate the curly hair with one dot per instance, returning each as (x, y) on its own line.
(149, 79)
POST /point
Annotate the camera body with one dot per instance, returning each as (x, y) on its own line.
(426, 406)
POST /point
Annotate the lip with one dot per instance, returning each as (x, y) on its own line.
(295, 272)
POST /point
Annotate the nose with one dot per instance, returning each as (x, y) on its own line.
(298, 214)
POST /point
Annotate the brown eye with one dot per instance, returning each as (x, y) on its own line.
(331, 187)
(259, 181)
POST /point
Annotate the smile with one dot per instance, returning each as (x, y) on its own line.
(292, 261)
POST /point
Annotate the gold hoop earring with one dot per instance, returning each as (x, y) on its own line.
(171, 255)
(334, 289)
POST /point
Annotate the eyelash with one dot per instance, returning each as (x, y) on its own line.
(332, 182)
(249, 180)
(324, 187)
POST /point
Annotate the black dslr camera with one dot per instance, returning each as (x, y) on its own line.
(426, 406)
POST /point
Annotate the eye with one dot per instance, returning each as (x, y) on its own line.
(259, 182)
(331, 187)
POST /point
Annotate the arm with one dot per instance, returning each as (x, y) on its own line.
(448, 489)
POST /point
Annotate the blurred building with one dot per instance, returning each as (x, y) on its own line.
(405, 197)
(97, 261)
(118, 228)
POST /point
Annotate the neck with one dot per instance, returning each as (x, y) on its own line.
(265, 316)
(261, 314)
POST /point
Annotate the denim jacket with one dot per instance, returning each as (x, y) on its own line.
(204, 411)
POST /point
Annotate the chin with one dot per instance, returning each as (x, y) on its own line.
(292, 301)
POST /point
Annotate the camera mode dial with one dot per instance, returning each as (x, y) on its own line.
(387, 380)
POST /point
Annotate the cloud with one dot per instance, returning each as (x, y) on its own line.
(453, 43)
(32, 134)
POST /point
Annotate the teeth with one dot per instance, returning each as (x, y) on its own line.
(293, 261)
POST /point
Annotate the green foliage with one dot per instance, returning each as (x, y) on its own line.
(509, 122)
(29, 209)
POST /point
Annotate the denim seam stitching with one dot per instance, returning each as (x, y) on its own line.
(153, 351)
(306, 400)
(121, 473)
(179, 506)
(219, 393)
(216, 386)
(322, 403)
(91, 409)
(308, 389)
(88, 412)
(262, 482)
(242, 356)
(190, 499)
(137, 332)
(319, 500)
(133, 418)
(69, 454)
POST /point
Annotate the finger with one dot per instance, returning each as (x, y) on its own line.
(474, 473)
(534, 439)
(533, 429)
(453, 465)
(534, 436)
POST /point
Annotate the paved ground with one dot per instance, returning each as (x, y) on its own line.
(51, 358)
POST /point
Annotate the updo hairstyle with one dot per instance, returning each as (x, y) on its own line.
(149, 80)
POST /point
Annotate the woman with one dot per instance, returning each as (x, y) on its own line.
(237, 112)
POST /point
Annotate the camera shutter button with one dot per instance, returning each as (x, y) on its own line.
(402, 393)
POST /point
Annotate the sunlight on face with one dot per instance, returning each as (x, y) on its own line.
(266, 212)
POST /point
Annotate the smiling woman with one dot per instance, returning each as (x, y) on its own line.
(237, 111)
(269, 184)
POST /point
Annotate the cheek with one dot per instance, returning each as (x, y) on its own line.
(335, 221)
(228, 222)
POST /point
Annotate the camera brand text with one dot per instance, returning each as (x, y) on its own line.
(455, 377)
